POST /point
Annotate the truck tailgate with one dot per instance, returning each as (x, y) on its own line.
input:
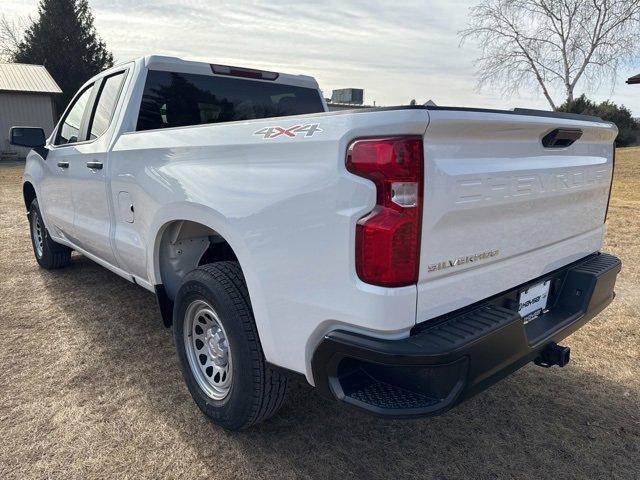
(501, 209)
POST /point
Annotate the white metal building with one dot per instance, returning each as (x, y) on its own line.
(26, 99)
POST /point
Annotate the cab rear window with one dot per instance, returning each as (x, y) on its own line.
(173, 99)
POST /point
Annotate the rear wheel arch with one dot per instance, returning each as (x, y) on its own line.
(180, 247)
(222, 242)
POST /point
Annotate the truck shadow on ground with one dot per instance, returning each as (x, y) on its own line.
(535, 423)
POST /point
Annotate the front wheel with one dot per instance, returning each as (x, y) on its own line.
(219, 349)
(49, 254)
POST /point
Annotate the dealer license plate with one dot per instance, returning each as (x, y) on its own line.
(533, 301)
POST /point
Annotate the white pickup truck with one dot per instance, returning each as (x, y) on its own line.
(398, 259)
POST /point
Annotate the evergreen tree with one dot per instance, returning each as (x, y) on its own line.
(64, 40)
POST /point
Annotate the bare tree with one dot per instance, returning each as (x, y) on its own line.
(11, 32)
(553, 44)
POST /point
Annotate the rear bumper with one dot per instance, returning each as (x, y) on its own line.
(451, 358)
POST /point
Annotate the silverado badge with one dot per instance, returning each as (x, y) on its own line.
(462, 260)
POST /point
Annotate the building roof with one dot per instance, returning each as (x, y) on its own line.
(19, 77)
(634, 79)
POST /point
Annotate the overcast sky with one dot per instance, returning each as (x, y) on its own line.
(395, 50)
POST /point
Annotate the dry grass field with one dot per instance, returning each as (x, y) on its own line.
(90, 388)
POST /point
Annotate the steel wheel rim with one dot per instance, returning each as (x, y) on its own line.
(208, 352)
(37, 234)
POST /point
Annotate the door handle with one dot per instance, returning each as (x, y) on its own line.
(63, 164)
(94, 165)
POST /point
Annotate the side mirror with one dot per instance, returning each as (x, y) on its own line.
(31, 137)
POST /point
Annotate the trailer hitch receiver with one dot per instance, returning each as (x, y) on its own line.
(553, 355)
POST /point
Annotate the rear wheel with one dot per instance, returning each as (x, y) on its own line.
(219, 349)
(49, 254)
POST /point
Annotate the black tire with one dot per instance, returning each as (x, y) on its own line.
(256, 391)
(49, 254)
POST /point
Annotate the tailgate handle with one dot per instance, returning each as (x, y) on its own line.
(561, 137)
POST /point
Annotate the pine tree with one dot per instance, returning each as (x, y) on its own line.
(64, 40)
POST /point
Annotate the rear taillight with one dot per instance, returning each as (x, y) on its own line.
(388, 238)
(613, 170)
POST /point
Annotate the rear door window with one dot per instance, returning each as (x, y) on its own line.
(106, 105)
(173, 99)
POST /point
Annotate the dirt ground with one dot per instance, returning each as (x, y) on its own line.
(90, 388)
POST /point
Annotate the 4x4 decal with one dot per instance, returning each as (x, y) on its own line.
(273, 132)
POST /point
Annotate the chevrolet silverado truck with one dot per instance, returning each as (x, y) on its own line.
(399, 260)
